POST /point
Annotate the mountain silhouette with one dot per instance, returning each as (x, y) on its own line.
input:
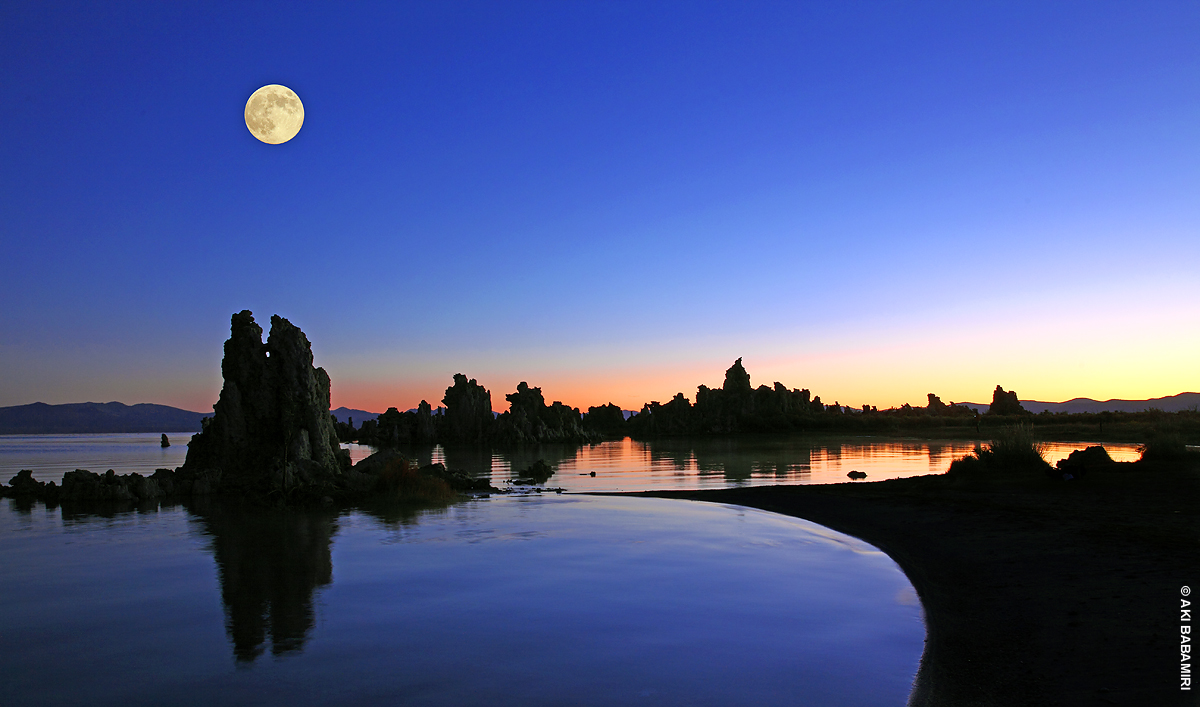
(96, 418)
(1171, 403)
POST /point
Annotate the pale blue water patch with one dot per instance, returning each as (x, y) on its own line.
(357, 452)
(51, 456)
(509, 600)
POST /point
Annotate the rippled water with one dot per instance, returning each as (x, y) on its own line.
(51, 456)
(509, 600)
(619, 465)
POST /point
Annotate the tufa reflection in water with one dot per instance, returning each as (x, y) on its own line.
(701, 603)
(269, 562)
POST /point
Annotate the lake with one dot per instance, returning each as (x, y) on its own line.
(508, 600)
(620, 465)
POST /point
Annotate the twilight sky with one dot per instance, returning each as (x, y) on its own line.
(609, 200)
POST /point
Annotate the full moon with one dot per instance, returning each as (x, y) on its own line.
(274, 114)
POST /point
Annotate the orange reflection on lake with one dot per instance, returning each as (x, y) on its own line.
(630, 465)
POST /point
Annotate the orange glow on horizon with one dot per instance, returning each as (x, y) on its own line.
(850, 379)
(631, 391)
(961, 359)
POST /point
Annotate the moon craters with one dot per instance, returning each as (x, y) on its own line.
(274, 114)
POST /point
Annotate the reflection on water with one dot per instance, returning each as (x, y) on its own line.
(269, 563)
(629, 465)
(626, 464)
(508, 600)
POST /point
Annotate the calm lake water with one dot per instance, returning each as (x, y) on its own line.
(521, 600)
(623, 465)
(509, 600)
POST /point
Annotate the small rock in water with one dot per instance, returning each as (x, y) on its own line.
(23, 484)
(857, 474)
(539, 472)
(593, 473)
(165, 442)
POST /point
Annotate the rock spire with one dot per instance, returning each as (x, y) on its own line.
(271, 431)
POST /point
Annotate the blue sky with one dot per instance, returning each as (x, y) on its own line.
(610, 200)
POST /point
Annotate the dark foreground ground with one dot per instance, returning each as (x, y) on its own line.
(1036, 591)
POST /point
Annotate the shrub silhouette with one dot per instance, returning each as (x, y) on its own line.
(538, 472)
(401, 481)
(1163, 445)
(1013, 449)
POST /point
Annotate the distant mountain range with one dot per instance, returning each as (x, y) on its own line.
(96, 418)
(344, 414)
(1171, 403)
(99, 418)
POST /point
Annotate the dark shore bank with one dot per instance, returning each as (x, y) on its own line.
(1036, 591)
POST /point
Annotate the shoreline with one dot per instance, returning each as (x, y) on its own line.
(1035, 591)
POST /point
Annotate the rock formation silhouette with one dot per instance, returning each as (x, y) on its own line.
(394, 427)
(605, 418)
(529, 419)
(271, 431)
(734, 407)
(1005, 403)
(468, 415)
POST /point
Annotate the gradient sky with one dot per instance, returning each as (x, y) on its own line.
(610, 200)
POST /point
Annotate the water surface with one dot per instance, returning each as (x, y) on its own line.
(620, 465)
(51, 456)
(509, 600)
(751, 460)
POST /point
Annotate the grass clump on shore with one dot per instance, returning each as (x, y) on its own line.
(1013, 449)
(1164, 445)
(400, 480)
